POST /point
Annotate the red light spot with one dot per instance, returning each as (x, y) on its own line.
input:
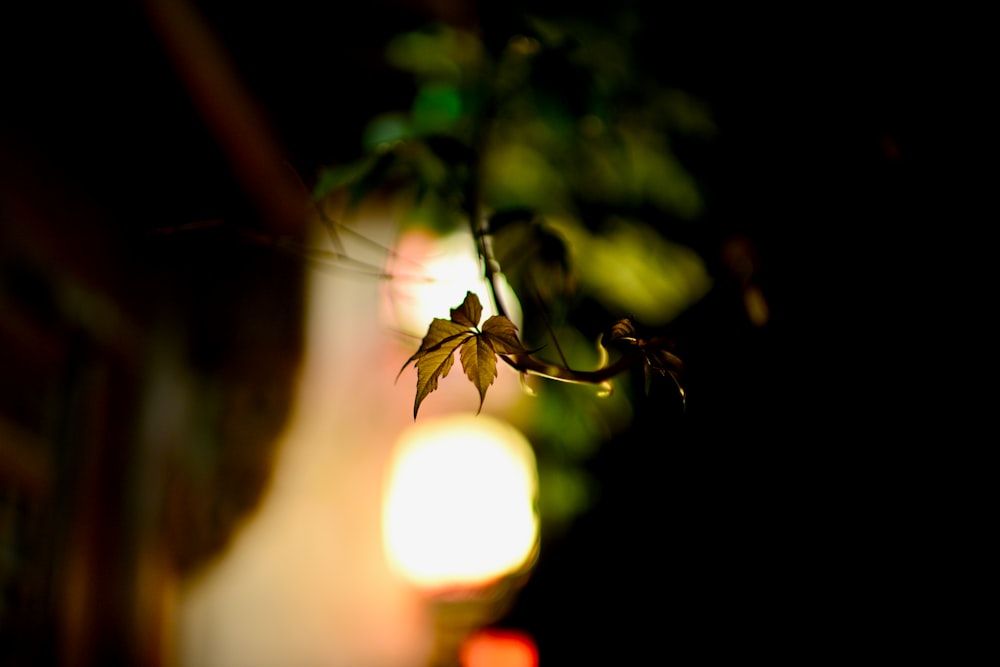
(498, 648)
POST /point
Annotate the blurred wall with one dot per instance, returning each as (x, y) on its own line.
(145, 379)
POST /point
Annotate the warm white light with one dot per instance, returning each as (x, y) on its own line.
(460, 502)
(432, 275)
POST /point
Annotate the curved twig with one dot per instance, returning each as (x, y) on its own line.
(631, 356)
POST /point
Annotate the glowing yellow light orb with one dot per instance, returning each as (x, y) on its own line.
(459, 508)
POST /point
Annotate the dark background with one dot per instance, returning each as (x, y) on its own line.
(797, 509)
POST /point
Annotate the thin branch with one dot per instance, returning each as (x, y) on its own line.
(333, 225)
(316, 257)
(633, 355)
(530, 365)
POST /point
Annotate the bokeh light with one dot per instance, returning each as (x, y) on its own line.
(498, 648)
(455, 269)
(460, 505)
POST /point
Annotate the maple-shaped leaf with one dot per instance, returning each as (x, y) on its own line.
(479, 349)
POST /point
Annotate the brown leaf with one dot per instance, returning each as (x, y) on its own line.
(479, 349)
(663, 360)
(469, 312)
(436, 361)
(479, 360)
(438, 331)
(623, 330)
(502, 335)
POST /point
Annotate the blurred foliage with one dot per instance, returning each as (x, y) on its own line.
(556, 142)
(630, 267)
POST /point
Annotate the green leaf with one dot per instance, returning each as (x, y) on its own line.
(386, 129)
(436, 109)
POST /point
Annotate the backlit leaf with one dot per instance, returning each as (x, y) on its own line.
(435, 363)
(479, 349)
(479, 360)
(438, 331)
(623, 331)
(502, 335)
(469, 312)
